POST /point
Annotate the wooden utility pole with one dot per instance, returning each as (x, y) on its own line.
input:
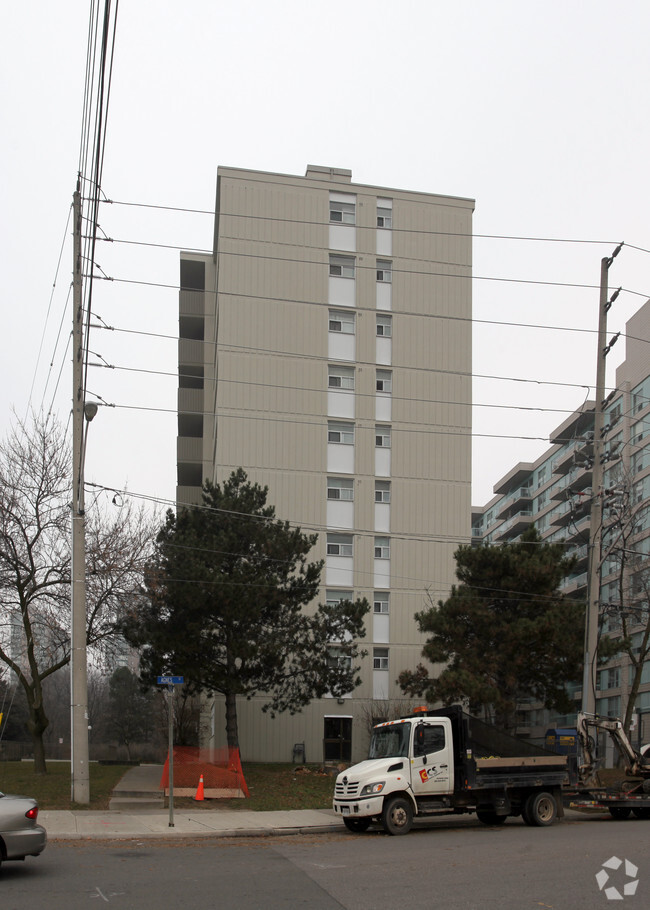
(78, 667)
(596, 518)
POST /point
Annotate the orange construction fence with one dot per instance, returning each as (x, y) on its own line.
(221, 769)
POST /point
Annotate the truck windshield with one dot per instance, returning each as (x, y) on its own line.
(390, 742)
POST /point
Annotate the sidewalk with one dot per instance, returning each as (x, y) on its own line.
(131, 817)
(73, 825)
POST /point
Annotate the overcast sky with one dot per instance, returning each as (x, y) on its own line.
(537, 110)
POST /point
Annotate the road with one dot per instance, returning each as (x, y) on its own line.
(450, 864)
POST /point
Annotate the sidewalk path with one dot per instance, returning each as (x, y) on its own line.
(154, 823)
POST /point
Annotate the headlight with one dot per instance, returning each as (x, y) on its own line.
(369, 789)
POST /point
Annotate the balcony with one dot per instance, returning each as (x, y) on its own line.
(575, 584)
(516, 524)
(515, 501)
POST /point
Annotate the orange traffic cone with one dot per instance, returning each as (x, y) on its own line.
(199, 791)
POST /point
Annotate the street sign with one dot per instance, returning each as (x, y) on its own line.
(170, 680)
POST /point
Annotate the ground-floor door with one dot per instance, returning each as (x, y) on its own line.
(337, 738)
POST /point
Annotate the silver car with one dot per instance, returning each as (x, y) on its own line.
(20, 835)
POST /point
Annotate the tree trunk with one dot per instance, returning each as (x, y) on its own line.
(232, 734)
(37, 725)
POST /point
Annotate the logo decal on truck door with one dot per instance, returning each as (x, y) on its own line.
(432, 773)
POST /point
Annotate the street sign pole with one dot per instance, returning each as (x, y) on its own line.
(170, 695)
(170, 682)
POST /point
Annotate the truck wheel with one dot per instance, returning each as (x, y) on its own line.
(397, 816)
(619, 812)
(490, 818)
(540, 810)
(641, 811)
(357, 825)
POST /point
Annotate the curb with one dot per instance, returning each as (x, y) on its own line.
(172, 834)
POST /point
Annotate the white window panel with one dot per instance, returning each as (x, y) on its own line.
(383, 351)
(383, 407)
(382, 462)
(384, 295)
(340, 403)
(380, 689)
(380, 627)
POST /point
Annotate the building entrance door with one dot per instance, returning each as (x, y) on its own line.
(337, 738)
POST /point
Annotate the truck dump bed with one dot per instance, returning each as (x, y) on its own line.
(481, 748)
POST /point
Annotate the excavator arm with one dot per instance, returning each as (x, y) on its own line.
(636, 764)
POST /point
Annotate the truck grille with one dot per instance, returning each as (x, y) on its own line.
(346, 788)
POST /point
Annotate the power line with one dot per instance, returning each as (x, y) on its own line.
(393, 230)
(285, 354)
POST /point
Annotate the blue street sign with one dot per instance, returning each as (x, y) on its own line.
(170, 680)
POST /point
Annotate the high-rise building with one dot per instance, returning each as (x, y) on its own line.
(325, 347)
(554, 494)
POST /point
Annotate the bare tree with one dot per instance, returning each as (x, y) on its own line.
(625, 607)
(35, 564)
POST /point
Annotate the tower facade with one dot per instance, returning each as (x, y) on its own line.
(325, 347)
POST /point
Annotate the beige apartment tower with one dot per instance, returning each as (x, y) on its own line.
(325, 347)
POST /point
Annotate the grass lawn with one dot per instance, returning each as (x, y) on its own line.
(52, 790)
(271, 786)
(275, 787)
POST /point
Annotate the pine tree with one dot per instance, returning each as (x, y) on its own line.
(504, 633)
(227, 589)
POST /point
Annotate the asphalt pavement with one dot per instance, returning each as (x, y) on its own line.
(133, 816)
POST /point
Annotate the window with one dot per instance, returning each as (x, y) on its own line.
(340, 488)
(428, 739)
(380, 602)
(341, 322)
(342, 433)
(384, 217)
(382, 491)
(340, 377)
(342, 212)
(380, 658)
(382, 437)
(333, 598)
(384, 270)
(339, 545)
(384, 326)
(384, 381)
(341, 266)
(337, 660)
(382, 548)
